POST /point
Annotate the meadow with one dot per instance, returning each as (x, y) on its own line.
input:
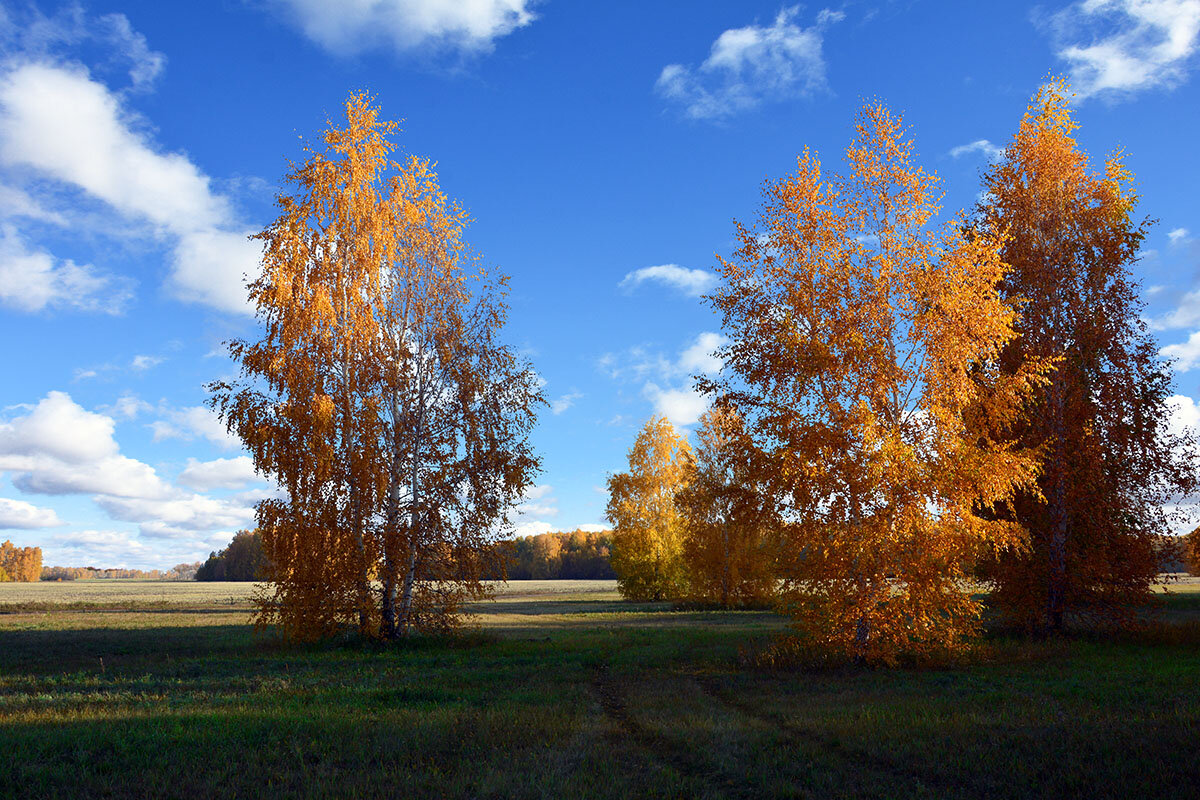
(561, 689)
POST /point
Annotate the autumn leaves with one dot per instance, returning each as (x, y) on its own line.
(380, 397)
(906, 404)
(904, 408)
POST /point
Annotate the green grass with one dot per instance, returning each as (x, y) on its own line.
(562, 690)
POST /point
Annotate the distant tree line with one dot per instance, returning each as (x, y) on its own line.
(180, 572)
(241, 560)
(20, 563)
(556, 555)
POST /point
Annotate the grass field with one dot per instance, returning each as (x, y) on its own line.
(121, 689)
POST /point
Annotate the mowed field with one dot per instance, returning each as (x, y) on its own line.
(560, 689)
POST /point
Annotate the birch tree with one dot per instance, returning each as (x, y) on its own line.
(862, 342)
(1113, 470)
(380, 397)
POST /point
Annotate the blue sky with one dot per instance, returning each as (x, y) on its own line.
(603, 150)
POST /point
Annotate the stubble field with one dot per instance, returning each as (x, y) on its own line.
(125, 688)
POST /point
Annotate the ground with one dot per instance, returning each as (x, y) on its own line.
(125, 688)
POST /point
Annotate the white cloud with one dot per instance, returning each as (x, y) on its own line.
(989, 151)
(354, 26)
(221, 473)
(61, 122)
(1186, 354)
(26, 516)
(38, 37)
(531, 528)
(141, 363)
(1178, 236)
(61, 448)
(1185, 414)
(750, 65)
(192, 422)
(1142, 43)
(181, 517)
(129, 406)
(59, 428)
(699, 357)
(563, 403)
(692, 282)
(95, 548)
(592, 527)
(18, 203)
(33, 280)
(538, 501)
(1185, 315)
(682, 406)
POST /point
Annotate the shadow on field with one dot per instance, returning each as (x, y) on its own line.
(54, 651)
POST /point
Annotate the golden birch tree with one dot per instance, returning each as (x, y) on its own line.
(1112, 467)
(730, 532)
(647, 550)
(862, 343)
(379, 397)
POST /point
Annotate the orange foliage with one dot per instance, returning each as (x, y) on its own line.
(730, 545)
(862, 343)
(379, 397)
(22, 564)
(647, 550)
(1111, 462)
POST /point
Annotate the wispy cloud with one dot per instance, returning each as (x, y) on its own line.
(751, 65)
(982, 146)
(1117, 47)
(348, 28)
(692, 282)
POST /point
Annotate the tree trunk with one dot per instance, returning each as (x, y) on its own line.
(1060, 521)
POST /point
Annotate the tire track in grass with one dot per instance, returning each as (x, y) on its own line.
(918, 783)
(661, 752)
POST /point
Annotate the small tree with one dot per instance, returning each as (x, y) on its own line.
(730, 538)
(1191, 552)
(1111, 465)
(861, 345)
(647, 550)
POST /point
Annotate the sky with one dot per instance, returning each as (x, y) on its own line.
(604, 151)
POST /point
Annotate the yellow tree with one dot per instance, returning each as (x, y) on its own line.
(862, 342)
(379, 396)
(647, 549)
(1112, 467)
(729, 524)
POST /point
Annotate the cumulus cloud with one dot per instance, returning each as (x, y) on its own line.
(982, 146)
(1179, 236)
(179, 517)
(58, 120)
(1185, 414)
(692, 282)
(25, 516)
(1185, 354)
(748, 66)
(61, 448)
(683, 406)
(358, 25)
(33, 280)
(1117, 47)
(95, 547)
(221, 473)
